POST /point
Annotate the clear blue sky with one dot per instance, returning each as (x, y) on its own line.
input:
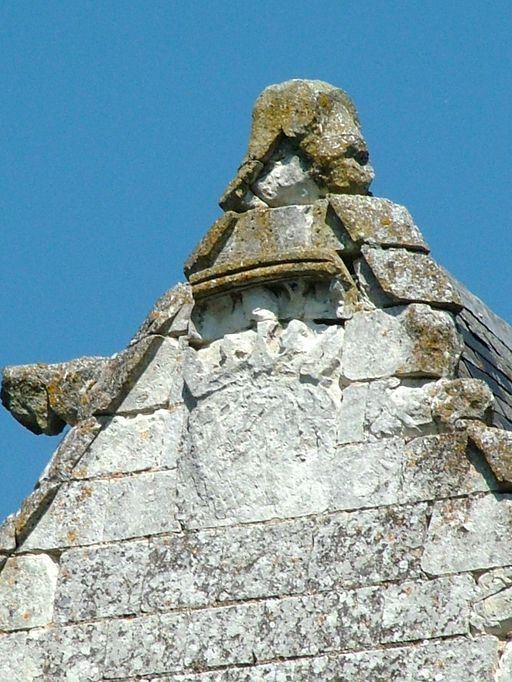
(122, 122)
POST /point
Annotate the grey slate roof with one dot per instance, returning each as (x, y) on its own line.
(487, 352)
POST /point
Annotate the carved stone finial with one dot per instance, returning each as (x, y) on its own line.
(305, 142)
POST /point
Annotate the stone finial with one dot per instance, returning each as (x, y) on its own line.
(305, 142)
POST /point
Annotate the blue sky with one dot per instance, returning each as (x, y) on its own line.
(122, 122)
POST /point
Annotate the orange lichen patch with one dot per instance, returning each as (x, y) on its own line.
(460, 399)
(71, 536)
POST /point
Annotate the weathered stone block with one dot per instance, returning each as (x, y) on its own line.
(369, 546)
(27, 589)
(84, 513)
(440, 466)
(496, 447)
(469, 534)
(427, 609)
(227, 565)
(397, 409)
(460, 399)
(160, 382)
(371, 220)
(408, 276)
(434, 345)
(145, 646)
(411, 341)
(101, 582)
(70, 450)
(170, 315)
(471, 660)
(134, 443)
(374, 345)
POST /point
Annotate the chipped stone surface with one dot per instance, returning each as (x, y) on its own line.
(231, 473)
(469, 534)
(134, 443)
(408, 276)
(87, 512)
(27, 588)
(370, 220)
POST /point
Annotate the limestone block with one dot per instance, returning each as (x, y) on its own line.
(236, 563)
(22, 655)
(437, 466)
(74, 653)
(414, 341)
(160, 382)
(218, 637)
(242, 634)
(101, 582)
(469, 534)
(70, 450)
(370, 220)
(170, 315)
(33, 507)
(426, 609)
(163, 638)
(368, 546)
(266, 448)
(454, 660)
(434, 343)
(87, 512)
(410, 276)
(460, 399)
(27, 589)
(374, 345)
(317, 623)
(496, 447)
(134, 443)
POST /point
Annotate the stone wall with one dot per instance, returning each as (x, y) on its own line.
(282, 478)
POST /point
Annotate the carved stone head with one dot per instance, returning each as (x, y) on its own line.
(305, 142)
